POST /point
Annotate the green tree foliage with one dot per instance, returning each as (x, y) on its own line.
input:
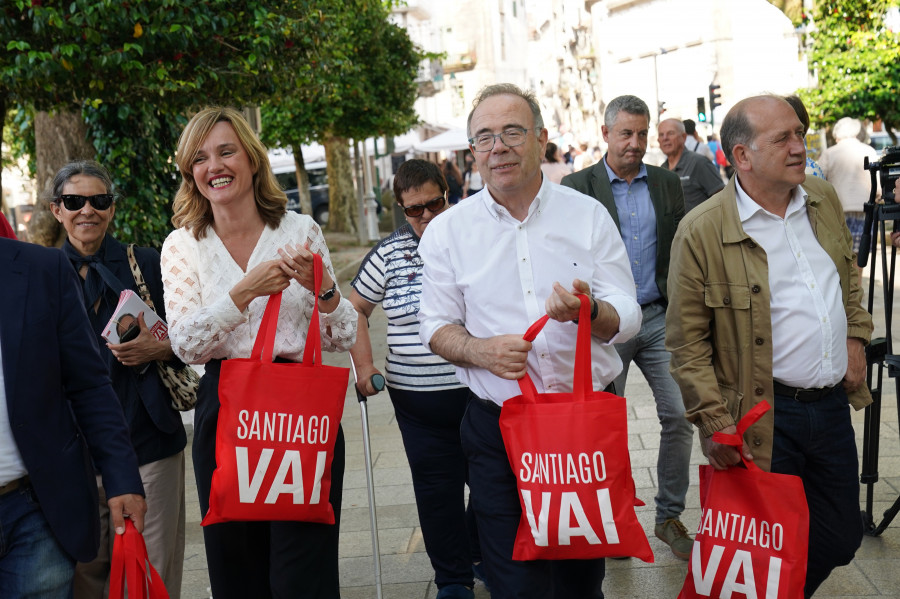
(856, 60)
(133, 68)
(368, 90)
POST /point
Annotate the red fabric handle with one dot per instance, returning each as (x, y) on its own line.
(583, 382)
(312, 351)
(130, 565)
(736, 440)
(264, 346)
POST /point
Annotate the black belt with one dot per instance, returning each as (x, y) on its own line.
(658, 300)
(486, 403)
(14, 485)
(803, 395)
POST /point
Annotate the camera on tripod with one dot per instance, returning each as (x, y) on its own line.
(880, 357)
(889, 167)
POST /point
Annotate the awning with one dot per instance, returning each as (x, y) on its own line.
(451, 140)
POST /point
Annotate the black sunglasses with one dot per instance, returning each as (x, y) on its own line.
(419, 209)
(101, 201)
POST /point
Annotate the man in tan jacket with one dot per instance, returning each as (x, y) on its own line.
(764, 304)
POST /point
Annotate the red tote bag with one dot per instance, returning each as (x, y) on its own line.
(569, 452)
(278, 423)
(131, 566)
(754, 530)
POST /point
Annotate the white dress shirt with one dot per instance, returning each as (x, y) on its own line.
(11, 464)
(491, 273)
(809, 324)
(204, 323)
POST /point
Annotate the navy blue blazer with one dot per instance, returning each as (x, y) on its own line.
(62, 408)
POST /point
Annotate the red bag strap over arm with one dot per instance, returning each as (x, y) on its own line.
(582, 383)
(737, 439)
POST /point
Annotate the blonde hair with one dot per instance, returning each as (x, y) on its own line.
(192, 210)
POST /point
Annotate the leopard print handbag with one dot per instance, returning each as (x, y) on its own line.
(181, 383)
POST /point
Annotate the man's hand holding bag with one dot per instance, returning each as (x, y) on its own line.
(569, 452)
(754, 530)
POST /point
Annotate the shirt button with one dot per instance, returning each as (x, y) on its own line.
(727, 301)
(755, 289)
(752, 245)
(759, 341)
(757, 441)
(758, 391)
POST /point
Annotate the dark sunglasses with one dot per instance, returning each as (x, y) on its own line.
(100, 201)
(419, 209)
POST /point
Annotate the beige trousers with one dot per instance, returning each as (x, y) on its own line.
(163, 531)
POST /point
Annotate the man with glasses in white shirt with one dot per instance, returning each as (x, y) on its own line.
(493, 265)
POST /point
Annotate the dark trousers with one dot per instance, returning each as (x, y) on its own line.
(815, 441)
(429, 423)
(263, 559)
(497, 511)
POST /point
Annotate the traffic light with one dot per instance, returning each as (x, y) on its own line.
(713, 99)
(701, 110)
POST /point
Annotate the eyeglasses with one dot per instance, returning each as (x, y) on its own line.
(512, 137)
(419, 209)
(100, 201)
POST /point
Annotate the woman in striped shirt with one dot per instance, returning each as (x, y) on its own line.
(428, 400)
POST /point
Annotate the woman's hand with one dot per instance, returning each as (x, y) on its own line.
(143, 348)
(365, 372)
(263, 280)
(297, 263)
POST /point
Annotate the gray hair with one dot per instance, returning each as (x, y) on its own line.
(630, 104)
(500, 89)
(88, 168)
(846, 128)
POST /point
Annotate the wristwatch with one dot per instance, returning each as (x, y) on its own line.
(330, 293)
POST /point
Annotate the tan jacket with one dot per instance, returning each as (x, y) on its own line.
(718, 324)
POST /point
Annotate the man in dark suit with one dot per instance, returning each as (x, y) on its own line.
(647, 203)
(58, 412)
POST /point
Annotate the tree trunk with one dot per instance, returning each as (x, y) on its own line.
(59, 138)
(302, 180)
(341, 197)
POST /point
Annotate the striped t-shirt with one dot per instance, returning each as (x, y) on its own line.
(391, 274)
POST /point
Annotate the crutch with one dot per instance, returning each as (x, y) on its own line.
(378, 382)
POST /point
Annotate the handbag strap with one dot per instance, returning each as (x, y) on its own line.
(143, 290)
(582, 382)
(736, 440)
(264, 346)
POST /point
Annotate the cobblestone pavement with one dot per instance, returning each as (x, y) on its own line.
(406, 572)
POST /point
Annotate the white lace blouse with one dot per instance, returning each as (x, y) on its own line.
(205, 324)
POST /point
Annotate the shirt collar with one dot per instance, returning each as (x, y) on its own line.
(642, 173)
(747, 208)
(497, 211)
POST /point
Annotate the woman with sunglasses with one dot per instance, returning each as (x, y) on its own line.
(428, 400)
(82, 199)
(236, 245)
